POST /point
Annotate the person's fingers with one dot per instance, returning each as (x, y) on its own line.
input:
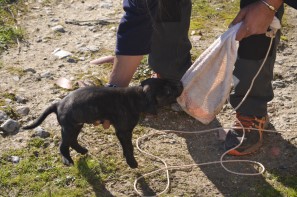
(96, 123)
(242, 32)
(106, 124)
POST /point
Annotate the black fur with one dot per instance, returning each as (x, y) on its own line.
(121, 106)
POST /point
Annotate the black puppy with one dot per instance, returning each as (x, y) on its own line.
(121, 106)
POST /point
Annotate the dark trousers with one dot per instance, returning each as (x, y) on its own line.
(170, 48)
(251, 53)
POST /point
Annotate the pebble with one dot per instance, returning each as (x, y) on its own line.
(8, 101)
(176, 107)
(54, 20)
(16, 78)
(10, 127)
(40, 132)
(30, 70)
(71, 60)
(38, 40)
(106, 5)
(61, 53)
(58, 28)
(15, 159)
(23, 110)
(278, 84)
(3, 116)
(46, 74)
(20, 99)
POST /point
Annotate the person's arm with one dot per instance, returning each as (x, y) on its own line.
(256, 17)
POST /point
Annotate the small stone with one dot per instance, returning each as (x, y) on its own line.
(61, 53)
(8, 101)
(30, 70)
(16, 78)
(20, 99)
(3, 116)
(93, 48)
(15, 159)
(40, 132)
(106, 5)
(58, 28)
(23, 111)
(38, 40)
(69, 179)
(46, 75)
(10, 127)
(176, 107)
(90, 8)
(278, 84)
(71, 60)
(113, 29)
(54, 20)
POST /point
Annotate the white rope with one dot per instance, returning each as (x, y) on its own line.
(167, 168)
(221, 161)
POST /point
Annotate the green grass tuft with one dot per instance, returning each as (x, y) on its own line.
(206, 15)
(9, 32)
(39, 174)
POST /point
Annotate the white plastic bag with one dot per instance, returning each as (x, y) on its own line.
(207, 83)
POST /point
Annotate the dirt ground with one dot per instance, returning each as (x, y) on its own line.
(40, 69)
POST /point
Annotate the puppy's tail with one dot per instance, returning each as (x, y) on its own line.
(41, 118)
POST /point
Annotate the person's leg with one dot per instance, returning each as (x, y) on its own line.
(133, 39)
(170, 51)
(253, 111)
(123, 70)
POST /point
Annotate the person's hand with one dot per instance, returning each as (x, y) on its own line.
(255, 19)
(105, 124)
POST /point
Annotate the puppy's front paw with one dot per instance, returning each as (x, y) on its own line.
(132, 163)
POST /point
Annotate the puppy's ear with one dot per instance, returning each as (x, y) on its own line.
(151, 105)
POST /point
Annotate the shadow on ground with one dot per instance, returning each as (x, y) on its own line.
(279, 156)
(92, 178)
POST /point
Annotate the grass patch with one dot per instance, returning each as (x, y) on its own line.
(39, 174)
(282, 185)
(206, 15)
(9, 32)
(6, 107)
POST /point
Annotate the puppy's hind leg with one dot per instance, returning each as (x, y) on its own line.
(64, 147)
(74, 143)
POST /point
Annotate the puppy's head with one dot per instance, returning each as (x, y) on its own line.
(161, 92)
